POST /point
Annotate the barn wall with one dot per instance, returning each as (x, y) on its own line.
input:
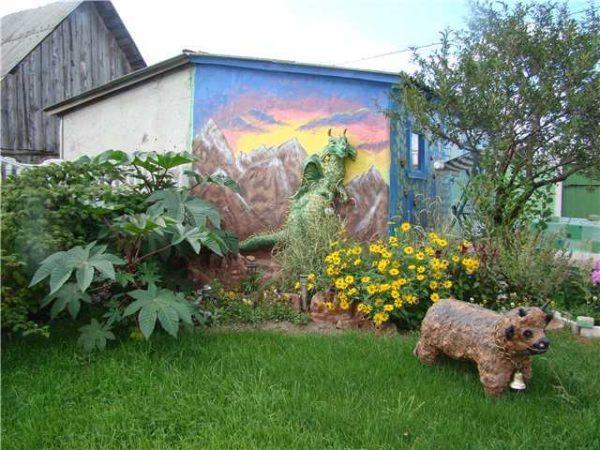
(153, 115)
(259, 126)
(80, 54)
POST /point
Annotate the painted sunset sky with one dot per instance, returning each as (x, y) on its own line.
(257, 108)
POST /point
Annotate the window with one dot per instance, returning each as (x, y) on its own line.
(417, 145)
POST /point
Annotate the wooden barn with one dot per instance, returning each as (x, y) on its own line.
(50, 54)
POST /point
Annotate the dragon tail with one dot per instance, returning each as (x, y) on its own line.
(260, 241)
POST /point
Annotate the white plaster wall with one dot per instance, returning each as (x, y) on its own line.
(153, 115)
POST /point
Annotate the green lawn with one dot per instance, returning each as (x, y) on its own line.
(269, 390)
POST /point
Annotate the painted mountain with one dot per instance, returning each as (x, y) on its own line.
(269, 176)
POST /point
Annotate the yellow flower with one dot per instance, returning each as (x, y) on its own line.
(310, 286)
(311, 278)
(352, 291)
(380, 318)
(434, 297)
(297, 285)
(388, 307)
(433, 236)
(379, 301)
(364, 308)
(409, 298)
(402, 281)
(408, 250)
(386, 254)
(433, 285)
(412, 267)
(441, 242)
(393, 240)
(371, 289)
(455, 258)
(398, 303)
(349, 279)
(330, 306)
(430, 251)
(334, 244)
(405, 227)
(340, 283)
(344, 305)
(384, 287)
(447, 284)
(382, 265)
(365, 279)
(394, 272)
(421, 269)
(374, 248)
(420, 277)
(331, 271)
(420, 256)
(395, 294)
(357, 262)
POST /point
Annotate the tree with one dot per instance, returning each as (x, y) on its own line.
(519, 88)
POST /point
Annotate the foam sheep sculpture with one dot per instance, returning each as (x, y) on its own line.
(499, 344)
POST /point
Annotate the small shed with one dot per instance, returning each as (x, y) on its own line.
(257, 120)
(52, 53)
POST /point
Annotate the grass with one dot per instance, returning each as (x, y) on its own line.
(267, 390)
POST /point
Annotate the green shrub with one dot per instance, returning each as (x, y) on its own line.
(249, 306)
(304, 252)
(143, 232)
(47, 209)
(523, 267)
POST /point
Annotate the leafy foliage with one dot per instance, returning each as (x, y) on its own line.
(84, 261)
(94, 336)
(519, 90)
(162, 304)
(69, 296)
(133, 243)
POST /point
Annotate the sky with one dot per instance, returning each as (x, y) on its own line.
(335, 32)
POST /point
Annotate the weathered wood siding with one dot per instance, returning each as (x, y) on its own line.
(80, 54)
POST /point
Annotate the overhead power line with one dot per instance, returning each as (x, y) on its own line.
(419, 47)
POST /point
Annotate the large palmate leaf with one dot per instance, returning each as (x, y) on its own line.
(68, 296)
(141, 224)
(84, 261)
(218, 178)
(177, 204)
(115, 157)
(94, 336)
(166, 161)
(198, 238)
(158, 304)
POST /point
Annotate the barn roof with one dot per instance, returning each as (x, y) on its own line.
(24, 30)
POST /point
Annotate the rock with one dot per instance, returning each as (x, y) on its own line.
(342, 319)
(555, 324)
(295, 301)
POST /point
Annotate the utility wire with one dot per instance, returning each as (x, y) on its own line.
(408, 49)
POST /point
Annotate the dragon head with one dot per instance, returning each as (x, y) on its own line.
(339, 146)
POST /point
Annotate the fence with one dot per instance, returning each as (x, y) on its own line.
(10, 166)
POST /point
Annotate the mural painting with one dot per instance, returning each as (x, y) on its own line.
(259, 126)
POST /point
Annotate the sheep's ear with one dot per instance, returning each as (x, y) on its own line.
(522, 312)
(509, 332)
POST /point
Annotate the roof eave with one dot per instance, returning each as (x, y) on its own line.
(118, 84)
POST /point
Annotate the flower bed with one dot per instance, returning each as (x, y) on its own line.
(397, 279)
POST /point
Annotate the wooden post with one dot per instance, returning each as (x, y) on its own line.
(304, 292)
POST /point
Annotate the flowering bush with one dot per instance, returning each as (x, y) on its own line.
(398, 279)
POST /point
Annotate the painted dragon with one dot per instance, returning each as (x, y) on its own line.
(322, 183)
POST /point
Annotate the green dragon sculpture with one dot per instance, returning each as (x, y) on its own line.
(322, 183)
